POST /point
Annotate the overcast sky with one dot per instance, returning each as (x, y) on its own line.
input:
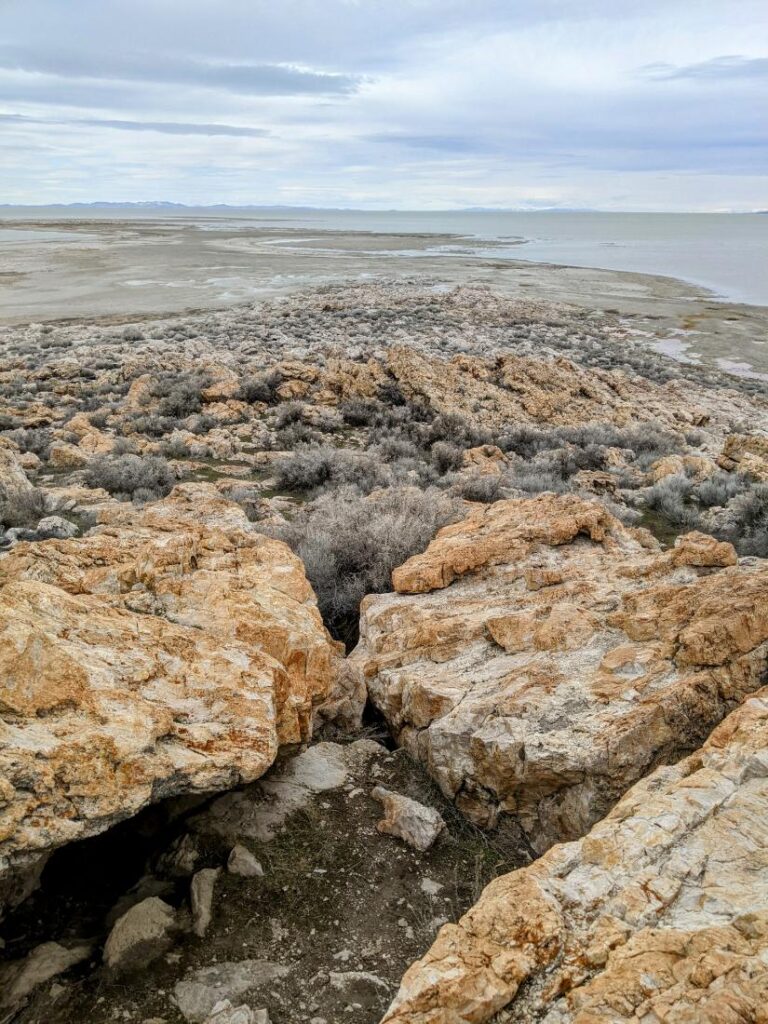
(416, 104)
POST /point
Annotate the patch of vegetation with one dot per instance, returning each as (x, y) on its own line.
(261, 388)
(21, 508)
(131, 477)
(350, 544)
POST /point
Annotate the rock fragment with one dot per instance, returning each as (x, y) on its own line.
(242, 862)
(19, 978)
(201, 899)
(407, 819)
(58, 527)
(180, 858)
(198, 993)
(141, 935)
(225, 1013)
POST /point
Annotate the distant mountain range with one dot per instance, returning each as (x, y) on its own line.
(162, 205)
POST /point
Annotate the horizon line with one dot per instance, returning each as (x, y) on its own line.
(172, 204)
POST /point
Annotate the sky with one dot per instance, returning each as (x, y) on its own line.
(381, 104)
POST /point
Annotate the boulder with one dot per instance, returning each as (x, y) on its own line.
(540, 657)
(486, 459)
(62, 455)
(58, 527)
(660, 913)
(407, 819)
(92, 441)
(29, 462)
(699, 549)
(696, 466)
(141, 935)
(160, 657)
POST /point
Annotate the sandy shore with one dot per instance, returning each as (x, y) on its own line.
(63, 270)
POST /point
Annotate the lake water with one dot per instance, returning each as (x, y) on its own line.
(726, 253)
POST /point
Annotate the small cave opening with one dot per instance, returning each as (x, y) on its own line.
(84, 881)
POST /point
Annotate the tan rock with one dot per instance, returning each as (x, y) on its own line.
(227, 412)
(63, 455)
(697, 466)
(487, 459)
(29, 462)
(139, 393)
(290, 390)
(141, 935)
(92, 440)
(754, 465)
(12, 475)
(223, 389)
(746, 453)
(702, 550)
(499, 533)
(407, 819)
(160, 656)
(522, 389)
(659, 914)
(540, 657)
(595, 481)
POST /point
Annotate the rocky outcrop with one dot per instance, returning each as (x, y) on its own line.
(492, 393)
(746, 453)
(539, 658)
(697, 467)
(13, 479)
(171, 653)
(659, 914)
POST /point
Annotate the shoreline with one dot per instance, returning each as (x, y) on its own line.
(117, 270)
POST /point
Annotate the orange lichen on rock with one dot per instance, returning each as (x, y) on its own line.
(162, 655)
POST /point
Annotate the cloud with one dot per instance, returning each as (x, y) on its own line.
(442, 143)
(164, 127)
(175, 127)
(386, 102)
(165, 69)
(718, 68)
